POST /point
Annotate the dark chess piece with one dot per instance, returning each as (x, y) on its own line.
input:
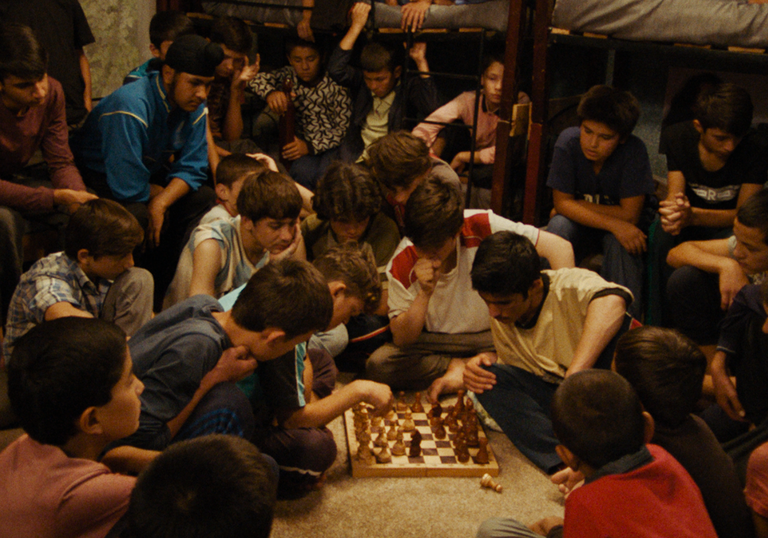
(415, 449)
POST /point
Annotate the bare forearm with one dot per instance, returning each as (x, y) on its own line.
(208, 382)
(408, 326)
(690, 253)
(128, 459)
(712, 218)
(320, 412)
(171, 193)
(85, 71)
(232, 126)
(557, 251)
(605, 316)
(587, 214)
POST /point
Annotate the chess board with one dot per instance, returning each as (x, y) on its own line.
(438, 457)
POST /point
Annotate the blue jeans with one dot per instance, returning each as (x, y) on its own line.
(308, 170)
(519, 403)
(619, 266)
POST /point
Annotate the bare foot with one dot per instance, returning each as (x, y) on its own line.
(451, 382)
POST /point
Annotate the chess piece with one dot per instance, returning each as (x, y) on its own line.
(417, 407)
(376, 422)
(470, 432)
(451, 423)
(381, 440)
(482, 457)
(435, 411)
(383, 455)
(460, 401)
(392, 432)
(439, 430)
(391, 415)
(408, 424)
(415, 448)
(462, 452)
(398, 449)
(487, 482)
(401, 405)
(364, 453)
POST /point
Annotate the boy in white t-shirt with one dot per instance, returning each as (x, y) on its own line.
(438, 322)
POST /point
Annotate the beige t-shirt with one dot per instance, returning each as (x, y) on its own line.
(547, 348)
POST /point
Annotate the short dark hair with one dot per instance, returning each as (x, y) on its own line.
(505, 264)
(269, 195)
(104, 228)
(666, 369)
(597, 415)
(346, 191)
(376, 56)
(169, 25)
(233, 33)
(493, 55)
(235, 166)
(398, 158)
(354, 265)
(60, 368)
(434, 213)
(754, 213)
(289, 295)
(21, 54)
(728, 108)
(618, 109)
(295, 41)
(215, 486)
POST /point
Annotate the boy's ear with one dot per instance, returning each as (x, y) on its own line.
(650, 427)
(337, 288)
(568, 457)
(274, 336)
(398, 70)
(222, 192)
(88, 422)
(83, 255)
(154, 50)
(697, 125)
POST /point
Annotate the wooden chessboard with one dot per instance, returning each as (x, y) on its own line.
(438, 457)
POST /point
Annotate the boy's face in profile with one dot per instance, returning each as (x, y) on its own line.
(274, 235)
(598, 141)
(19, 94)
(262, 349)
(108, 266)
(306, 62)
(120, 416)
(508, 309)
(492, 81)
(345, 307)
(750, 251)
(228, 194)
(716, 141)
(349, 229)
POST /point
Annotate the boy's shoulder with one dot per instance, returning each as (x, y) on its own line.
(186, 320)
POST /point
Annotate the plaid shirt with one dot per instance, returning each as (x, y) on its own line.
(54, 279)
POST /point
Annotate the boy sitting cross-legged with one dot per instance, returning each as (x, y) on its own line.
(437, 320)
(71, 383)
(601, 182)
(93, 277)
(632, 489)
(223, 255)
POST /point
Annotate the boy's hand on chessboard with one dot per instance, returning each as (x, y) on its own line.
(376, 394)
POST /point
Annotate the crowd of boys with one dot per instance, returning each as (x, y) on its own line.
(257, 281)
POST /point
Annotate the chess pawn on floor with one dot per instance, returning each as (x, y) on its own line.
(381, 440)
(402, 405)
(392, 432)
(417, 407)
(487, 482)
(364, 453)
(482, 456)
(415, 449)
(383, 455)
(398, 449)
(408, 424)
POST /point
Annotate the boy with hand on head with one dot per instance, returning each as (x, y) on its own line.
(293, 397)
(323, 109)
(667, 371)
(546, 326)
(632, 489)
(93, 277)
(437, 320)
(400, 161)
(601, 182)
(190, 356)
(164, 28)
(217, 485)
(377, 108)
(223, 255)
(71, 384)
(709, 274)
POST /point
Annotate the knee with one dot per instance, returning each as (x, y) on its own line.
(685, 282)
(377, 367)
(563, 227)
